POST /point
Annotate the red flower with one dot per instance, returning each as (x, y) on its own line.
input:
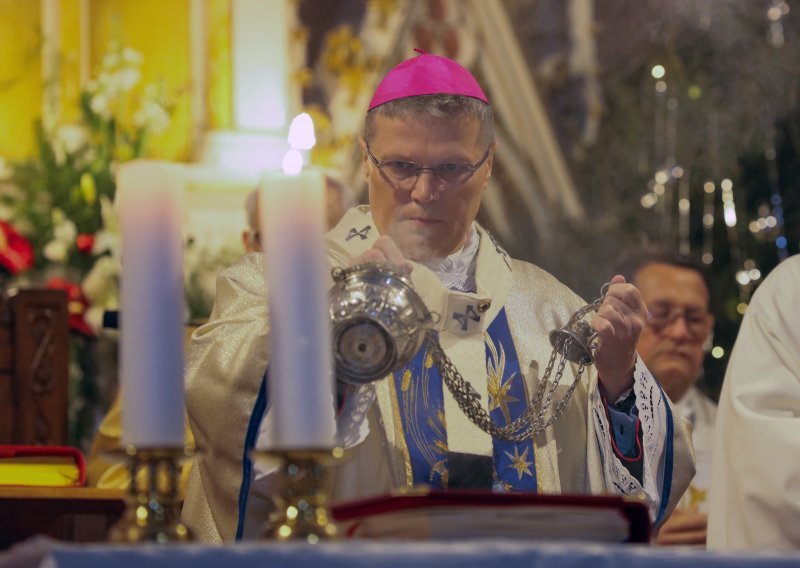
(16, 252)
(85, 243)
(76, 305)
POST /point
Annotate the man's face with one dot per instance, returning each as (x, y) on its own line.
(432, 219)
(671, 344)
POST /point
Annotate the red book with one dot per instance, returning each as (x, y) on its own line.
(460, 514)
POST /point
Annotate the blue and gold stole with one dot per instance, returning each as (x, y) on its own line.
(419, 394)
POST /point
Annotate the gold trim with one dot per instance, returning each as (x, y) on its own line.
(400, 436)
(525, 392)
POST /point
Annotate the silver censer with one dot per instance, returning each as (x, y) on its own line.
(378, 321)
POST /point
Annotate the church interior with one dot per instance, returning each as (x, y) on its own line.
(135, 137)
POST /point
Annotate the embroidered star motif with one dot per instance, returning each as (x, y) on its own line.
(464, 318)
(498, 394)
(520, 462)
(495, 369)
(362, 233)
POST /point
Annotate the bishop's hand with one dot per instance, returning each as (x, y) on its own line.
(619, 323)
(383, 250)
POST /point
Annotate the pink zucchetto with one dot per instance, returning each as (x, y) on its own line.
(426, 74)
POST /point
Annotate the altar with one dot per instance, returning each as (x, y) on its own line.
(387, 554)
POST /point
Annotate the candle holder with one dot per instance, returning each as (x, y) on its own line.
(153, 506)
(301, 502)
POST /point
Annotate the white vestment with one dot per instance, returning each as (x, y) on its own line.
(701, 412)
(755, 480)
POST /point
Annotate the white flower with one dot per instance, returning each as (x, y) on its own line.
(131, 56)
(105, 241)
(55, 251)
(128, 78)
(72, 137)
(152, 117)
(99, 106)
(101, 283)
(64, 229)
(108, 238)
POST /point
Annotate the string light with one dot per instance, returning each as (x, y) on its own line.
(709, 203)
(775, 15)
(728, 206)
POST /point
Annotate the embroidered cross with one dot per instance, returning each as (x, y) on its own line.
(500, 250)
(464, 318)
(362, 233)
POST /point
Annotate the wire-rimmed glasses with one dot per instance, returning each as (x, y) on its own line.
(403, 175)
(662, 317)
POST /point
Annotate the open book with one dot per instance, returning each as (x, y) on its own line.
(444, 515)
(41, 466)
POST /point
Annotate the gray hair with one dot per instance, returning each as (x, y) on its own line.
(439, 106)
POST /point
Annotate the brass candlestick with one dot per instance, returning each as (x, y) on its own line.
(153, 505)
(301, 503)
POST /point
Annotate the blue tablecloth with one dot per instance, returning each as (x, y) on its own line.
(389, 554)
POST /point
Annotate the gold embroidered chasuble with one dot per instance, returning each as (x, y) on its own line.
(229, 355)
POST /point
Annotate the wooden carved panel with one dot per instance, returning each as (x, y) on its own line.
(40, 345)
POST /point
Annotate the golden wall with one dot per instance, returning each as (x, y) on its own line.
(20, 76)
(158, 29)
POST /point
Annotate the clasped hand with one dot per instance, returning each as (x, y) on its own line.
(619, 323)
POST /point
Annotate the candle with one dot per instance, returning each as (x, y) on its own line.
(300, 380)
(150, 198)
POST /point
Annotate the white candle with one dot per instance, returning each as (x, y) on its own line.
(151, 320)
(300, 381)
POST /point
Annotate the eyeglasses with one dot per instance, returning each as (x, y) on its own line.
(663, 317)
(404, 175)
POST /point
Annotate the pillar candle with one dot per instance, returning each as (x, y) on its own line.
(150, 196)
(300, 381)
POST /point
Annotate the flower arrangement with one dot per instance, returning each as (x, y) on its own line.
(61, 200)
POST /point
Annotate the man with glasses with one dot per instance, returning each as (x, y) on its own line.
(673, 345)
(427, 155)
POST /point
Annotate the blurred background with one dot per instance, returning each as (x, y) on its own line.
(620, 123)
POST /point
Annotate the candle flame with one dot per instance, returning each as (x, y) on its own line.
(292, 162)
(301, 132)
